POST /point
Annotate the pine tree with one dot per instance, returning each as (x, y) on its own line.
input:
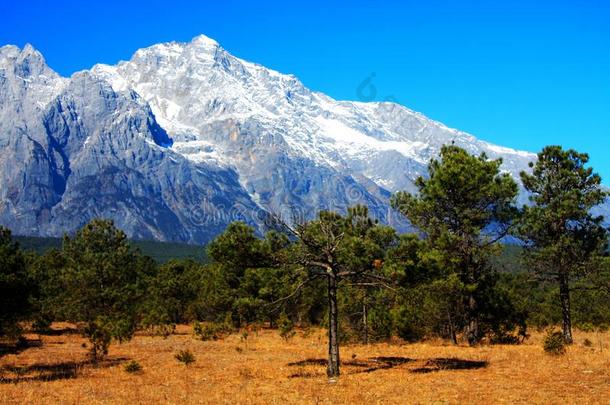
(100, 284)
(337, 248)
(564, 241)
(463, 209)
(14, 285)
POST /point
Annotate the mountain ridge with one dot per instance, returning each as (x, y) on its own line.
(183, 138)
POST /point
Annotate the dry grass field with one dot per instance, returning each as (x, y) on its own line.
(265, 369)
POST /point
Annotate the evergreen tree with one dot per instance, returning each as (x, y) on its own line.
(100, 284)
(236, 250)
(15, 287)
(171, 293)
(336, 248)
(45, 272)
(564, 241)
(463, 209)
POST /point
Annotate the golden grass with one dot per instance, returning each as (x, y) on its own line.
(265, 369)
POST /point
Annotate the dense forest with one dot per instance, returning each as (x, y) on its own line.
(161, 252)
(456, 278)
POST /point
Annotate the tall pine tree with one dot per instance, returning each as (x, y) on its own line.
(564, 241)
(463, 208)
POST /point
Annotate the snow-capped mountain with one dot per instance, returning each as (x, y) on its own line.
(184, 137)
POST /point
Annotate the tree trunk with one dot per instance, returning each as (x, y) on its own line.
(452, 333)
(333, 322)
(473, 321)
(365, 321)
(564, 295)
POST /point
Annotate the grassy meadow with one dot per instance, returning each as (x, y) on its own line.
(261, 367)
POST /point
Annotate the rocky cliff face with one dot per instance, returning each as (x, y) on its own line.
(74, 149)
(184, 138)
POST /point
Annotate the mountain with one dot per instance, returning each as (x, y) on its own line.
(74, 149)
(184, 138)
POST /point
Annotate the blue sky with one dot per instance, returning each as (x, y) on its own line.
(522, 74)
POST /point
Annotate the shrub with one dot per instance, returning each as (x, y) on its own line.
(99, 336)
(132, 367)
(211, 331)
(286, 327)
(163, 330)
(554, 343)
(587, 343)
(42, 325)
(185, 357)
(586, 327)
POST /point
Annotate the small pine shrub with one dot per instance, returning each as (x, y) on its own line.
(162, 330)
(211, 331)
(554, 343)
(185, 357)
(42, 325)
(286, 327)
(587, 343)
(586, 327)
(132, 367)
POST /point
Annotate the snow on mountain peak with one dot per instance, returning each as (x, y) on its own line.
(204, 41)
(194, 86)
(243, 138)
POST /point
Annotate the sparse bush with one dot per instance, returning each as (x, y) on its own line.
(99, 336)
(554, 343)
(185, 357)
(211, 331)
(132, 367)
(286, 327)
(41, 325)
(164, 330)
(587, 343)
(586, 327)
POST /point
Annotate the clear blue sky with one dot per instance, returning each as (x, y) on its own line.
(520, 73)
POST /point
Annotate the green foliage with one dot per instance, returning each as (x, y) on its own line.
(212, 330)
(564, 241)
(286, 327)
(538, 300)
(185, 357)
(160, 252)
(238, 249)
(430, 309)
(45, 272)
(171, 294)
(461, 202)
(554, 343)
(248, 275)
(461, 197)
(563, 237)
(413, 286)
(99, 283)
(15, 286)
(132, 367)
(504, 316)
(99, 334)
